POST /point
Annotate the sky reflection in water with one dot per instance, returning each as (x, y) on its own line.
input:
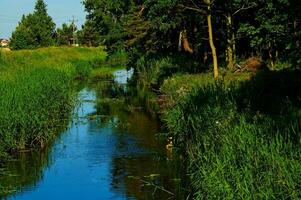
(98, 154)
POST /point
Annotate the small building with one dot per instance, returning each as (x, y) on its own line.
(4, 42)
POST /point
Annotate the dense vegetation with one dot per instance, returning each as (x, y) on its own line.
(35, 90)
(240, 133)
(34, 30)
(179, 29)
(37, 30)
(242, 138)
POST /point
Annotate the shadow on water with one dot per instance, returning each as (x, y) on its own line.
(109, 151)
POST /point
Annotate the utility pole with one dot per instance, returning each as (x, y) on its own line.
(73, 21)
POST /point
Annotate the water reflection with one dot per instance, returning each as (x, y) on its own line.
(108, 152)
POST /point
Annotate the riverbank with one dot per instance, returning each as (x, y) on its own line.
(241, 135)
(36, 93)
(109, 150)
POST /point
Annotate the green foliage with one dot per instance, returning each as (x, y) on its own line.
(238, 145)
(36, 95)
(29, 101)
(83, 69)
(34, 30)
(104, 19)
(242, 135)
(153, 72)
(88, 35)
(65, 34)
(104, 73)
(151, 28)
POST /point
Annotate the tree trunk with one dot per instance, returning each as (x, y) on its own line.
(296, 34)
(212, 46)
(230, 52)
(205, 58)
(271, 56)
(180, 41)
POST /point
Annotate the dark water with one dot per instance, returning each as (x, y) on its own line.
(109, 151)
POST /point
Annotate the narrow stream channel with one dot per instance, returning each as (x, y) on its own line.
(109, 151)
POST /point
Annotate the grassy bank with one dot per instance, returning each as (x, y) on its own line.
(35, 90)
(241, 135)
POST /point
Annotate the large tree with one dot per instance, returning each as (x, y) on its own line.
(89, 35)
(34, 30)
(106, 18)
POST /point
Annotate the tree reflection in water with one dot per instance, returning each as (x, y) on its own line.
(109, 151)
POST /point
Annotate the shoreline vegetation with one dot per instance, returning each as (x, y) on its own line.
(226, 74)
(36, 92)
(241, 138)
(228, 78)
(234, 131)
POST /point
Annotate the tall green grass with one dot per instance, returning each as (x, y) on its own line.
(235, 148)
(36, 95)
(151, 73)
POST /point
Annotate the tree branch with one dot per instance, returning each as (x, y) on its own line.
(252, 5)
(193, 9)
(195, 5)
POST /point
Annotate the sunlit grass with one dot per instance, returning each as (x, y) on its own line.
(35, 90)
(235, 148)
(105, 72)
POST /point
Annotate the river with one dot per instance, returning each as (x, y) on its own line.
(108, 151)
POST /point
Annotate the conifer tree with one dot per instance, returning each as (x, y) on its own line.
(34, 30)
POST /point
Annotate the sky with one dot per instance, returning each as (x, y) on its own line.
(61, 11)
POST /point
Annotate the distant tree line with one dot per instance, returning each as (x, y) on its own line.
(37, 30)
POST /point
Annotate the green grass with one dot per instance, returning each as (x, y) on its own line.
(241, 136)
(180, 85)
(35, 90)
(104, 72)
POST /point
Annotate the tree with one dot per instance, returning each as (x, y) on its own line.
(105, 18)
(65, 34)
(232, 10)
(88, 35)
(21, 37)
(34, 30)
(268, 29)
(186, 30)
(198, 8)
(210, 32)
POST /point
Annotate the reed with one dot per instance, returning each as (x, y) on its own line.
(36, 93)
(235, 148)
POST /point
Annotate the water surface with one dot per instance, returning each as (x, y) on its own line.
(109, 151)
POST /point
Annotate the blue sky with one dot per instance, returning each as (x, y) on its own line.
(60, 10)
